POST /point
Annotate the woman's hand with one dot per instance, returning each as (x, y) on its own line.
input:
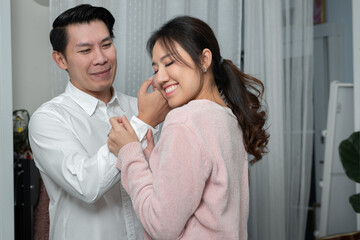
(150, 144)
(121, 134)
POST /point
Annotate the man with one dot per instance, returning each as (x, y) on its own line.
(68, 134)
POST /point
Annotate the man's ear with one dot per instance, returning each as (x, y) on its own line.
(60, 60)
(206, 58)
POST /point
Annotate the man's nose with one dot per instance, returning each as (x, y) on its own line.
(100, 57)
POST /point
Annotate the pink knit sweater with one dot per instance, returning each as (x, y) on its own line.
(195, 184)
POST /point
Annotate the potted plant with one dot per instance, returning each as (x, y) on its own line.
(349, 151)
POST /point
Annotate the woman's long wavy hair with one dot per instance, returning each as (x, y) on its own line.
(243, 93)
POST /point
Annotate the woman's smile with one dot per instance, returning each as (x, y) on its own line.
(170, 89)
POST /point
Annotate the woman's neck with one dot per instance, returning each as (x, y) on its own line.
(211, 92)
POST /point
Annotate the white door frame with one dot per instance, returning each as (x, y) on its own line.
(356, 77)
(6, 126)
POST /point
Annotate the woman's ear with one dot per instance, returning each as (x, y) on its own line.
(60, 60)
(206, 58)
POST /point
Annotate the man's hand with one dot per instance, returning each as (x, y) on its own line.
(152, 106)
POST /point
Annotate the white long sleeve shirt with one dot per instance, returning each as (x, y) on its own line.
(68, 137)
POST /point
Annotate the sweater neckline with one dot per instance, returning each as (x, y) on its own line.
(209, 102)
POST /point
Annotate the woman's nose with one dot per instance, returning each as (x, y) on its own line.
(161, 77)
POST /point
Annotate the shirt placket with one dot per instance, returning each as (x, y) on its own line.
(109, 112)
(113, 111)
(128, 213)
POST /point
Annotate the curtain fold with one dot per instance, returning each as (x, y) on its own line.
(135, 20)
(278, 45)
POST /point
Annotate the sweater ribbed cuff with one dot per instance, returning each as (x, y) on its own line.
(127, 153)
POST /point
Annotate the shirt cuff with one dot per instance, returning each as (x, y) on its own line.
(141, 129)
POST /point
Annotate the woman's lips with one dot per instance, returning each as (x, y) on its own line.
(170, 89)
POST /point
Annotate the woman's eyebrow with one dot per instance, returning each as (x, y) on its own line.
(161, 59)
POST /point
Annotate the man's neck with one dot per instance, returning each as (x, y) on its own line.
(105, 96)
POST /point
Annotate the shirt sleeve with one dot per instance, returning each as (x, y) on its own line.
(59, 154)
(166, 200)
(141, 129)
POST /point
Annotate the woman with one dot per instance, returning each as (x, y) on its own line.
(195, 182)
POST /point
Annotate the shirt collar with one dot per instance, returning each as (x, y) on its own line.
(86, 101)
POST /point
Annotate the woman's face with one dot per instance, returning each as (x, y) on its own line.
(179, 83)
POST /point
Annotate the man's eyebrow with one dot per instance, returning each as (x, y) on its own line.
(162, 58)
(106, 39)
(85, 44)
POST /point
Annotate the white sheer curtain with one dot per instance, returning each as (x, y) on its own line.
(278, 50)
(136, 19)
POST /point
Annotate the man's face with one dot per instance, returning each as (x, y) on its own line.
(90, 58)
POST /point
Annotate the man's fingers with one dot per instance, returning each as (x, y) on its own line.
(145, 86)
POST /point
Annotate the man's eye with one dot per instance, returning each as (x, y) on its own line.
(107, 45)
(168, 64)
(85, 51)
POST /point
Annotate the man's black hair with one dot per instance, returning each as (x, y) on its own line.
(84, 13)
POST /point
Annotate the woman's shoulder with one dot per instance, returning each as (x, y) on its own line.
(198, 112)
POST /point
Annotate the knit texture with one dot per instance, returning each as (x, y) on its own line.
(195, 184)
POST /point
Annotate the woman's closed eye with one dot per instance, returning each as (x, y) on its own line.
(168, 64)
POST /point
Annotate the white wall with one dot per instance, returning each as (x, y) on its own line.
(24, 83)
(31, 54)
(6, 143)
(340, 13)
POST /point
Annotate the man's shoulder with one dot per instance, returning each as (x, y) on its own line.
(54, 105)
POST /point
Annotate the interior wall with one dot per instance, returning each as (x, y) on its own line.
(6, 143)
(31, 54)
(340, 13)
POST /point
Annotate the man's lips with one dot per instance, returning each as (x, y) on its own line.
(102, 72)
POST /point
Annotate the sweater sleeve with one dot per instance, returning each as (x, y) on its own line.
(164, 201)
